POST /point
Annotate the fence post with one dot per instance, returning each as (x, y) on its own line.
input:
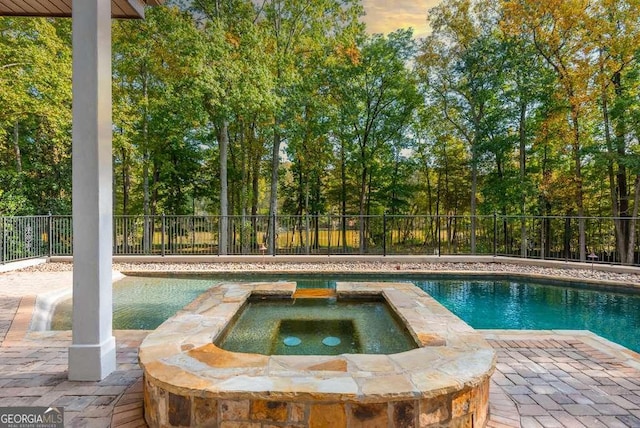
(439, 230)
(274, 238)
(162, 233)
(543, 224)
(307, 225)
(495, 234)
(384, 234)
(146, 247)
(50, 234)
(4, 241)
(114, 235)
(330, 230)
(193, 233)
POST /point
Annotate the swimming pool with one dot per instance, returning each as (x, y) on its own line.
(144, 303)
(522, 305)
(316, 327)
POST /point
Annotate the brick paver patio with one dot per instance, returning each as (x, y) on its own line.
(542, 379)
(557, 381)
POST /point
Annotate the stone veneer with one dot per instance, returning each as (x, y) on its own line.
(188, 381)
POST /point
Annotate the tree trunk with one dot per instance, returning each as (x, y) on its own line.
(273, 198)
(223, 145)
(147, 236)
(547, 231)
(148, 222)
(622, 190)
(16, 147)
(364, 173)
(367, 222)
(343, 195)
(523, 172)
(437, 236)
(429, 205)
(632, 223)
(306, 216)
(362, 203)
(394, 183)
(567, 236)
(579, 199)
(154, 185)
(245, 239)
(255, 195)
(621, 242)
(474, 191)
(316, 210)
(125, 183)
(545, 208)
(255, 171)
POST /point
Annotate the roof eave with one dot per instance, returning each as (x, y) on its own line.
(121, 9)
(137, 6)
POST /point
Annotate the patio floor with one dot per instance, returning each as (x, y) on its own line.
(543, 379)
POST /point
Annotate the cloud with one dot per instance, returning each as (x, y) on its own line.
(385, 16)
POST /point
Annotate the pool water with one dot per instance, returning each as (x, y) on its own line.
(316, 327)
(315, 283)
(534, 306)
(144, 303)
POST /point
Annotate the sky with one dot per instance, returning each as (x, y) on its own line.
(385, 16)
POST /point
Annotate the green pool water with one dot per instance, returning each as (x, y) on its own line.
(144, 303)
(316, 327)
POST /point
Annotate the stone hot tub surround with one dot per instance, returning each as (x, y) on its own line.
(189, 381)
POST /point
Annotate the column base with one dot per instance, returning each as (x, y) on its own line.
(92, 362)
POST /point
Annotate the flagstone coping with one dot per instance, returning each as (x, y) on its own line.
(443, 381)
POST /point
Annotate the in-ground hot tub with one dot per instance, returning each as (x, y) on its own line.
(190, 381)
(316, 326)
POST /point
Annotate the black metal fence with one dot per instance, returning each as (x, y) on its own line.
(555, 238)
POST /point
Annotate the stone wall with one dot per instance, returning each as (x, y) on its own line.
(191, 382)
(466, 408)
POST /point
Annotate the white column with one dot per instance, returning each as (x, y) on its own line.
(92, 355)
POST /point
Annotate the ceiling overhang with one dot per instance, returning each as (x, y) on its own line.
(62, 8)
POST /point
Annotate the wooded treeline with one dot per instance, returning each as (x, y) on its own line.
(238, 107)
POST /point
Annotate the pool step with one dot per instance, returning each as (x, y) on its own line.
(314, 293)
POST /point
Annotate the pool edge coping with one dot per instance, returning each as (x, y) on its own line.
(176, 359)
(409, 274)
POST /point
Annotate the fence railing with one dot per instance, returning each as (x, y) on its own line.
(554, 238)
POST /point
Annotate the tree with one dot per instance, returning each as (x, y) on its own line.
(158, 118)
(527, 84)
(296, 30)
(35, 119)
(309, 147)
(235, 80)
(378, 97)
(558, 30)
(615, 35)
(460, 75)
